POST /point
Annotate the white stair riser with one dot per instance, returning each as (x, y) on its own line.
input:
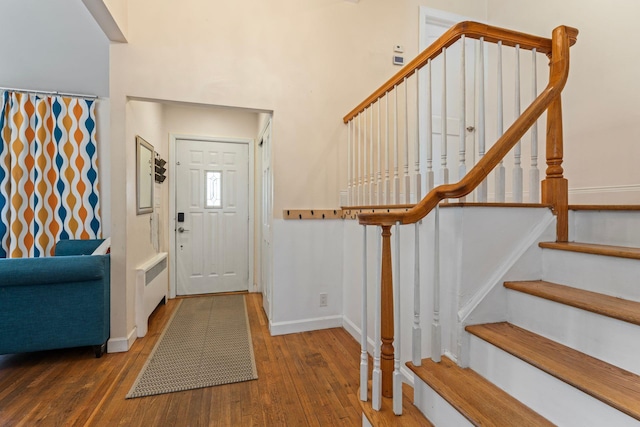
(555, 400)
(602, 337)
(619, 277)
(435, 408)
(616, 228)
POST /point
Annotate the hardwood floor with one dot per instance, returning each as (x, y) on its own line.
(307, 379)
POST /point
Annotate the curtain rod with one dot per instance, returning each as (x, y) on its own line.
(54, 93)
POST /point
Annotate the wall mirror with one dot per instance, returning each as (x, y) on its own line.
(144, 176)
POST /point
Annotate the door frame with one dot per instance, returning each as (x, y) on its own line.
(266, 257)
(171, 172)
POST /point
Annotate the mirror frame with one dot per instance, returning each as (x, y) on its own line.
(144, 204)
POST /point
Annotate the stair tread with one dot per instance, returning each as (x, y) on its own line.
(604, 207)
(478, 400)
(411, 415)
(592, 248)
(606, 305)
(608, 383)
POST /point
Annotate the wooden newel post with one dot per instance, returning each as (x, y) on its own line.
(386, 287)
(555, 188)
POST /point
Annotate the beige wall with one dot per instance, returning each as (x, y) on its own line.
(309, 62)
(601, 130)
(155, 121)
(143, 119)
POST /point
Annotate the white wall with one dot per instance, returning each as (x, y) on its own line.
(307, 261)
(143, 119)
(54, 46)
(599, 101)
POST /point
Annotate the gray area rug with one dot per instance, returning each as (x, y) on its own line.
(207, 342)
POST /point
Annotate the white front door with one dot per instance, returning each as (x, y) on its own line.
(212, 217)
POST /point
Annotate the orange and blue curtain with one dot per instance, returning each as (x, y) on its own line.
(48, 173)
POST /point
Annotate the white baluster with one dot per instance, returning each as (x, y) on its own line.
(359, 161)
(376, 391)
(365, 160)
(462, 150)
(416, 146)
(517, 166)
(387, 181)
(429, 114)
(364, 355)
(396, 178)
(436, 338)
(482, 188)
(372, 181)
(349, 202)
(407, 179)
(379, 181)
(500, 172)
(416, 349)
(444, 170)
(534, 173)
(397, 376)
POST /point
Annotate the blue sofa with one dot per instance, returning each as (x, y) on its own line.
(55, 302)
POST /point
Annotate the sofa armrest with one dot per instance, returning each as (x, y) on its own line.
(52, 270)
(77, 247)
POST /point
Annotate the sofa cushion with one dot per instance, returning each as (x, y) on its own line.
(77, 247)
(52, 270)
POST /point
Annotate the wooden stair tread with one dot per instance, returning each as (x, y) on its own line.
(411, 415)
(592, 248)
(604, 207)
(478, 400)
(608, 383)
(606, 305)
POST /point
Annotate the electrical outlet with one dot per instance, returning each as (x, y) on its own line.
(323, 299)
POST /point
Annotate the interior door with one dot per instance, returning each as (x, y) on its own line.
(435, 23)
(212, 221)
(265, 221)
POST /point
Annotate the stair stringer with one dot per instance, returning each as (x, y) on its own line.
(489, 302)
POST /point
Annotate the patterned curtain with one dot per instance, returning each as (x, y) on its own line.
(48, 173)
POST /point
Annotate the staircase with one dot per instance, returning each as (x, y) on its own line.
(567, 352)
(560, 342)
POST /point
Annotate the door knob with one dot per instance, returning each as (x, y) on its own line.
(182, 229)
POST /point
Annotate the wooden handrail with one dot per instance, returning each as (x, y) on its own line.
(563, 37)
(554, 187)
(473, 30)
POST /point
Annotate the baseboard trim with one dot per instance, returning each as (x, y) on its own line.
(605, 189)
(356, 333)
(122, 344)
(305, 325)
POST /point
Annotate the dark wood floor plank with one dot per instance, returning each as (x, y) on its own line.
(307, 379)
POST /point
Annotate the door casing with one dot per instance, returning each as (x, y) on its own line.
(171, 170)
